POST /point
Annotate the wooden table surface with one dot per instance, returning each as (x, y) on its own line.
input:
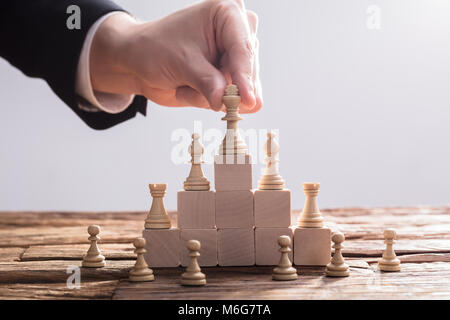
(36, 248)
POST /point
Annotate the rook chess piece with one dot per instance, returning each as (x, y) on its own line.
(389, 261)
(232, 143)
(271, 180)
(193, 275)
(157, 217)
(310, 216)
(284, 271)
(196, 180)
(337, 266)
(141, 271)
(93, 258)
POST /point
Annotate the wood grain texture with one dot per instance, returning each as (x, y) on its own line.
(272, 208)
(99, 290)
(312, 246)
(196, 209)
(234, 176)
(11, 254)
(163, 247)
(423, 246)
(416, 281)
(111, 251)
(59, 228)
(208, 251)
(266, 245)
(234, 209)
(236, 247)
(55, 271)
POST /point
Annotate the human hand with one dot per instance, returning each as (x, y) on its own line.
(184, 59)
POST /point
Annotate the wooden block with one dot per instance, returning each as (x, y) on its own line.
(236, 247)
(272, 208)
(232, 173)
(312, 246)
(208, 250)
(233, 159)
(196, 209)
(266, 245)
(163, 247)
(234, 209)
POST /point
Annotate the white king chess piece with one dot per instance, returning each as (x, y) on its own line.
(271, 180)
(196, 180)
(232, 143)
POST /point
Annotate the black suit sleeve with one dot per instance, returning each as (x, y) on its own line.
(34, 38)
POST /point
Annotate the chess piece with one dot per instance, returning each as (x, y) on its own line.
(193, 275)
(271, 180)
(157, 217)
(310, 216)
(389, 261)
(196, 180)
(140, 272)
(284, 271)
(337, 266)
(232, 143)
(93, 258)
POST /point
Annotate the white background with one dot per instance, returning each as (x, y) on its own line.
(364, 112)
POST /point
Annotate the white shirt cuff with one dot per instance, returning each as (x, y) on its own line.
(108, 102)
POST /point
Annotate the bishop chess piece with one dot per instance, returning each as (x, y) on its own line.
(271, 180)
(311, 216)
(193, 275)
(157, 217)
(196, 180)
(140, 272)
(232, 143)
(93, 257)
(389, 260)
(337, 266)
(284, 271)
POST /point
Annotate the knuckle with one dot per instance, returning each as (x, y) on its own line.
(248, 47)
(256, 43)
(227, 4)
(240, 3)
(253, 17)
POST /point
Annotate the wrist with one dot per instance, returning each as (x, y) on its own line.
(109, 51)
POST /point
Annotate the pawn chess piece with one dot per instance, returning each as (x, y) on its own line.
(284, 271)
(311, 216)
(271, 180)
(193, 275)
(337, 266)
(93, 258)
(157, 217)
(232, 143)
(140, 272)
(196, 180)
(389, 261)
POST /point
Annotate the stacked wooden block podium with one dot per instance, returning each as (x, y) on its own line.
(235, 224)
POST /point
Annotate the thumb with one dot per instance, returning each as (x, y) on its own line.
(235, 40)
